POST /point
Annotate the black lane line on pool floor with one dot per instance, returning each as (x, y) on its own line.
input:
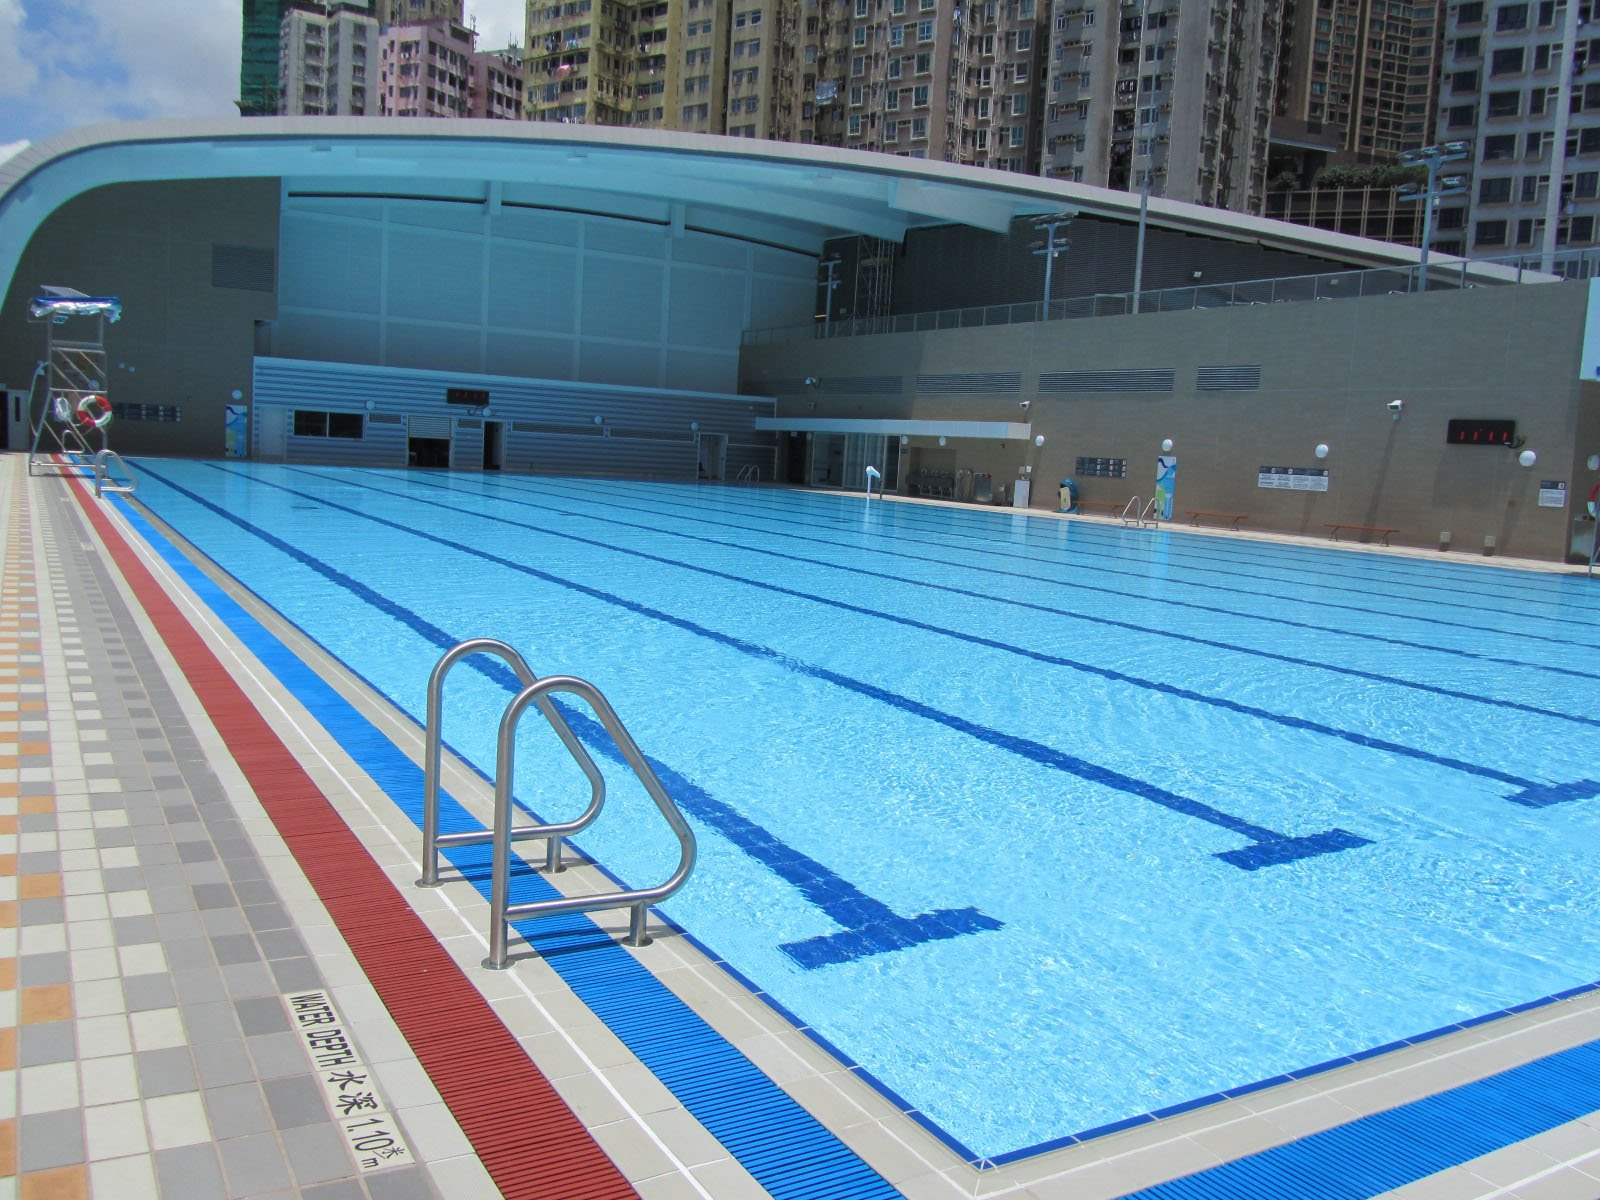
(1529, 793)
(1271, 847)
(1068, 614)
(988, 550)
(785, 530)
(869, 926)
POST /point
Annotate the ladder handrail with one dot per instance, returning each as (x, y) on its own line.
(102, 474)
(749, 471)
(432, 839)
(1132, 506)
(1150, 516)
(874, 473)
(501, 910)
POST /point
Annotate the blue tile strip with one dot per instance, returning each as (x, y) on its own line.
(778, 1142)
(1377, 1153)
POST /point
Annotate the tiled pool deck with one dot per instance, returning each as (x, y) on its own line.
(218, 979)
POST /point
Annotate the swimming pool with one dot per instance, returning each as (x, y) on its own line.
(1046, 824)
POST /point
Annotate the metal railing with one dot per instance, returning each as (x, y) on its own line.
(749, 473)
(1141, 516)
(536, 692)
(1446, 275)
(102, 474)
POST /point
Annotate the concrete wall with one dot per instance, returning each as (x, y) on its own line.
(181, 340)
(1327, 372)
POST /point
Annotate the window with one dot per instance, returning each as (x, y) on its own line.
(1469, 14)
(1019, 104)
(1581, 229)
(1505, 104)
(891, 131)
(858, 36)
(1541, 57)
(1589, 141)
(919, 96)
(308, 423)
(1489, 233)
(1468, 47)
(1584, 184)
(1464, 81)
(892, 100)
(1024, 39)
(924, 31)
(1511, 16)
(1529, 231)
(1088, 17)
(1452, 218)
(1530, 188)
(1501, 145)
(1019, 135)
(1536, 101)
(924, 64)
(1462, 115)
(919, 127)
(1507, 61)
(1547, 12)
(1495, 191)
(1536, 142)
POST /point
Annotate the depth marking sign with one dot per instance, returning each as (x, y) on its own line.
(369, 1129)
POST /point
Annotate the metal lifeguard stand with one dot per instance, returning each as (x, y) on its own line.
(74, 370)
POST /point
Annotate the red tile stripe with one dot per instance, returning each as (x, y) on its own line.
(531, 1143)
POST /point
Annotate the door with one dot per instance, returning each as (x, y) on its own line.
(271, 424)
(711, 450)
(494, 454)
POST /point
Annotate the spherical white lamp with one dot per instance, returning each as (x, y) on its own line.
(235, 394)
(1322, 450)
(941, 439)
(1527, 458)
(1594, 462)
(1038, 439)
(694, 426)
(905, 439)
(1166, 445)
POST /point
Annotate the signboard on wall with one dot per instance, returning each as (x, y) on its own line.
(1552, 493)
(1589, 366)
(1166, 484)
(1294, 479)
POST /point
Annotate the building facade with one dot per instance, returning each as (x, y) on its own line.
(326, 52)
(1522, 89)
(426, 70)
(1180, 94)
(258, 57)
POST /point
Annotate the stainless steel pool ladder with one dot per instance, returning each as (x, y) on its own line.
(102, 474)
(536, 691)
(1133, 514)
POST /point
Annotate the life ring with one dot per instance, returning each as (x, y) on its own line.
(1594, 499)
(93, 412)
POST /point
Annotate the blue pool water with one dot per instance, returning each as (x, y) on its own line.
(1044, 824)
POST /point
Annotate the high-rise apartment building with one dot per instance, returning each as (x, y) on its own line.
(1357, 83)
(1522, 89)
(1181, 93)
(496, 88)
(426, 70)
(417, 12)
(326, 50)
(258, 57)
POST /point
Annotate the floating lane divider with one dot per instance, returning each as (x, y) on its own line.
(868, 925)
(785, 1148)
(1271, 847)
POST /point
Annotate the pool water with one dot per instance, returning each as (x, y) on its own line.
(1045, 824)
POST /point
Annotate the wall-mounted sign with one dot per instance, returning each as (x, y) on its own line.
(1111, 468)
(1467, 431)
(1552, 493)
(1293, 479)
(467, 397)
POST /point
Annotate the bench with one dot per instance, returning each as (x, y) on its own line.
(1382, 533)
(1194, 517)
(1110, 506)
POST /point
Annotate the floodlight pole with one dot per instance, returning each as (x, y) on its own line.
(1144, 189)
(1430, 158)
(1050, 249)
(827, 285)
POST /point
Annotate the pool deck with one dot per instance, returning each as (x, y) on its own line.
(218, 978)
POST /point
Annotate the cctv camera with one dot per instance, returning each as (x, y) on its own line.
(812, 381)
(1396, 405)
(1024, 405)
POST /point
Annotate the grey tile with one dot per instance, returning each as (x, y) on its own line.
(253, 1165)
(181, 812)
(198, 986)
(49, 911)
(135, 931)
(281, 943)
(248, 979)
(255, 891)
(317, 1154)
(41, 970)
(53, 1139)
(165, 1072)
(262, 1014)
(196, 852)
(122, 879)
(208, 1023)
(37, 822)
(220, 921)
(214, 895)
(167, 900)
(148, 833)
(408, 1183)
(262, 917)
(175, 926)
(190, 954)
(278, 1054)
(237, 1110)
(168, 876)
(38, 862)
(46, 1042)
(144, 992)
(295, 1100)
(205, 872)
(234, 948)
(296, 974)
(190, 1173)
(344, 1189)
(108, 838)
(225, 1063)
(158, 854)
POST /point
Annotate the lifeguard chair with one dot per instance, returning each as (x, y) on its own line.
(76, 412)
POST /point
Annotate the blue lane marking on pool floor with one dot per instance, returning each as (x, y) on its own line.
(1067, 614)
(785, 1148)
(1286, 848)
(868, 925)
(1529, 792)
(1386, 1150)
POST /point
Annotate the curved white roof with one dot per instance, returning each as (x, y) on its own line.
(791, 195)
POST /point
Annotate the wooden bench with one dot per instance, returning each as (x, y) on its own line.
(1382, 533)
(1194, 517)
(1110, 506)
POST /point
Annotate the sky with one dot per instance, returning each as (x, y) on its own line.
(65, 63)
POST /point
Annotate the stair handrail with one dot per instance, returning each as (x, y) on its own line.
(432, 839)
(501, 910)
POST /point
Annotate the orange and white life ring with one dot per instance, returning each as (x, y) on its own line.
(93, 412)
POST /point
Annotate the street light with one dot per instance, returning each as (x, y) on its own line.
(827, 286)
(1052, 247)
(1432, 157)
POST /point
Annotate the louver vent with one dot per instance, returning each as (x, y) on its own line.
(1246, 378)
(982, 381)
(385, 419)
(1130, 379)
(864, 385)
(245, 268)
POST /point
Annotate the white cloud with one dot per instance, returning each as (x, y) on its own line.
(500, 22)
(75, 62)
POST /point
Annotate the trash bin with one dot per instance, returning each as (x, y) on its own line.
(1069, 496)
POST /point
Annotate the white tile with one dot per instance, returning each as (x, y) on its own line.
(130, 904)
(98, 998)
(91, 935)
(117, 856)
(146, 959)
(131, 1178)
(48, 1088)
(99, 1036)
(176, 1121)
(42, 939)
(433, 1132)
(30, 843)
(157, 1029)
(91, 907)
(110, 1079)
(100, 963)
(115, 1130)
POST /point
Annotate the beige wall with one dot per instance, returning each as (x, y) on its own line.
(1328, 369)
(180, 340)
